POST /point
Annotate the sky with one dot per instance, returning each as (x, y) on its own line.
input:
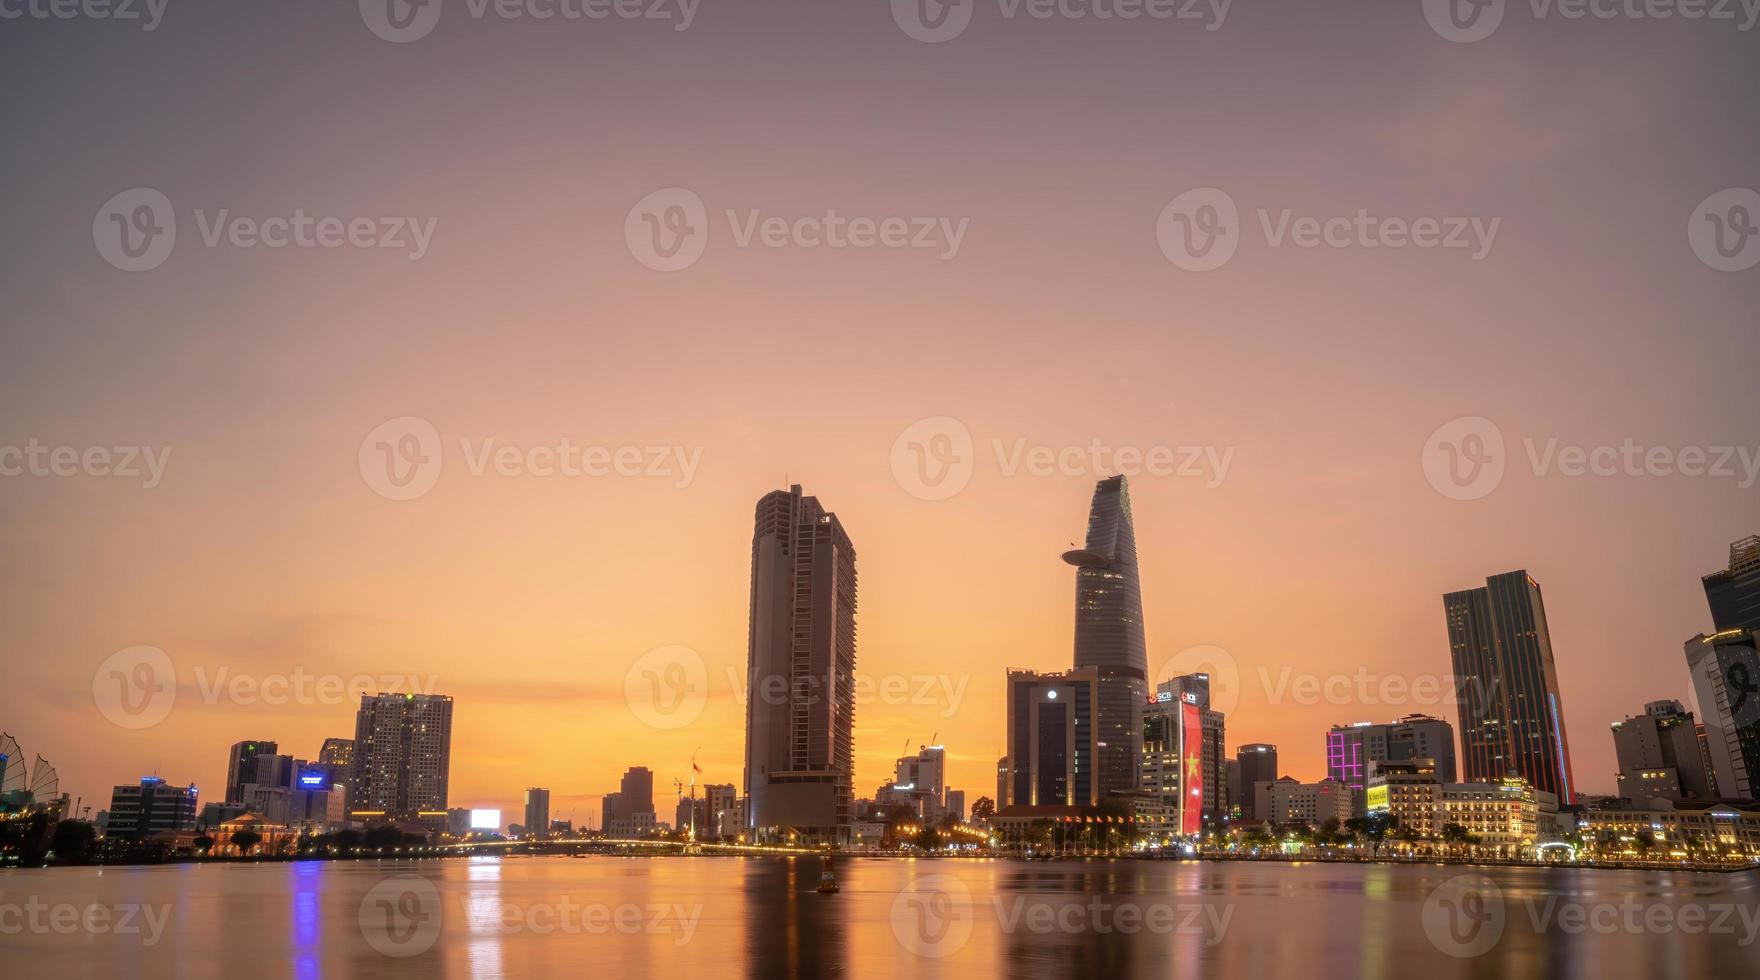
(500, 268)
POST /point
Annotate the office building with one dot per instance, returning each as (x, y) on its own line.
(1002, 782)
(241, 765)
(1109, 635)
(402, 759)
(1410, 792)
(151, 807)
(337, 757)
(1258, 764)
(1725, 668)
(956, 805)
(1194, 690)
(1053, 743)
(1174, 770)
(608, 811)
(1510, 710)
(801, 672)
(537, 812)
(720, 810)
(1353, 751)
(1734, 593)
(1290, 802)
(1659, 756)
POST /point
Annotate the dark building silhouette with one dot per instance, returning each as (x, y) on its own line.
(241, 766)
(1109, 633)
(1734, 593)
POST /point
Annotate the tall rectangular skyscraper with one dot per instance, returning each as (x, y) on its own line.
(1109, 633)
(1052, 743)
(402, 757)
(1511, 714)
(1725, 667)
(537, 812)
(241, 766)
(1258, 763)
(800, 711)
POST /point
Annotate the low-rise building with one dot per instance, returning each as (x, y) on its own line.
(1291, 802)
(1686, 829)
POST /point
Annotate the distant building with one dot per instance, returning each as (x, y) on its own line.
(1659, 755)
(1194, 689)
(956, 805)
(1503, 814)
(537, 812)
(1109, 636)
(337, 757)
(1734, 592)
(1352, 751)
(1726, 681)
(801, 671)
(1292, 802)
(1508, 701)
(1052, 740)
(1700, 828)
(609, 808)
(1258, 764)
(241, 765)
(1002, 782)
(402, 759)
(140, 811)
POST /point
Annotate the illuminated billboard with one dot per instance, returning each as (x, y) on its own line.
(1191, 782)
(486, 820)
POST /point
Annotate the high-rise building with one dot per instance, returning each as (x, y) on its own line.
(1658, 753)
(402, 758)
(1726, 681)
(537, 812)
(609, 806)
(1194, 689)
(1109, 633)
(138, 812)
(956, 805)
(636, 792)
(1258, 763)
(801, 708)
(720, 808)
(1052, 739)
(1511, 714)
(1002, 782)
(1734, 593)
(337, 756)
(241, 766)
(1174, 768)
(1353, 751)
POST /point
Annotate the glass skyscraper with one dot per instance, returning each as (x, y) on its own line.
(1511, 715)
(1109, 633)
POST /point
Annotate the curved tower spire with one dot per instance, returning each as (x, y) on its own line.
(1109, 632)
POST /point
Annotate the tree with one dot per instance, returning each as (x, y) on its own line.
(246, 840)
(204, 843)
(928, 839)
(984, 809)
(73, 842)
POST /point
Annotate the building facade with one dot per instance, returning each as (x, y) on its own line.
(1734, 592)
(1175, 770)
(1507, 694)
(1053, 742)
(1353, 751)
(1109, 635)
(1290, 802)
(1725, 668)
(1194, 689)
(402, 759)
(1659, 755)
(801, 672)
(1258, 764)
(241, 765)
(537, 812)
(151, 807)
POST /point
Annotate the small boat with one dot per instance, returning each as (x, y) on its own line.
(827, 877)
